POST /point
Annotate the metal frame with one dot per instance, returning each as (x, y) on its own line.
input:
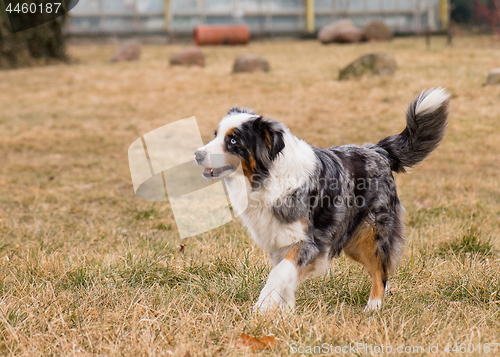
(301, 19)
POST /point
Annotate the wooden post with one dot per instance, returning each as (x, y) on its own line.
(444, 14)
(166, 14)
(310, 16)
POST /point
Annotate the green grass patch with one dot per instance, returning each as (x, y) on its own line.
(472, 242)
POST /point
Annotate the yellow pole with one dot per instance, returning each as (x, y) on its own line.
(166, 13)
(310, 16)
(444, 13)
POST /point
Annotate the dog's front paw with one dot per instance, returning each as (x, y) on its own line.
(279, 291)
(270, 300)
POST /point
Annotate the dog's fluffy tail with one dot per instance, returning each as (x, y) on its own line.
(426, 122)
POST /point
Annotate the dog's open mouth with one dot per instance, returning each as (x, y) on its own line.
(216, 172)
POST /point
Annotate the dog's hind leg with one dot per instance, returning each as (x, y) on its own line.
(363, 249)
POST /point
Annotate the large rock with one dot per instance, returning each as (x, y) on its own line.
(372, 64)
(378, 31)
(493, 77)
(129, 51)
(189, 57)
(250, 63)
(349, 35)
(342, 31)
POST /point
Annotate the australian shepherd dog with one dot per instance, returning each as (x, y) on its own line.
(305, 205)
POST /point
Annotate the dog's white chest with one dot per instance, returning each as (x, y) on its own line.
(267, 231)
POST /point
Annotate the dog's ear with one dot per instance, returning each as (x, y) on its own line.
(277, 144)
(271, 133)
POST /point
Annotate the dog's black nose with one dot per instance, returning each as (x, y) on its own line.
(200, 156)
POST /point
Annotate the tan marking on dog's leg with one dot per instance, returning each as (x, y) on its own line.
(293, 253)
(362, 248)
(293, 256)
(281, 284)
(304, 270)
(305, 224)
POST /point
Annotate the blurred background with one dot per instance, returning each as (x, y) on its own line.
(272, 16)
(262, 16)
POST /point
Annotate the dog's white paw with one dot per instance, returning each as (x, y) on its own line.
(279, 291)
(270, 300)
(373, 305)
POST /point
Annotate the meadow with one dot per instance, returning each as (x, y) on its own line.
(88, 269)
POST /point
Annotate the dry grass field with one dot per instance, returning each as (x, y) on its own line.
(88, 269)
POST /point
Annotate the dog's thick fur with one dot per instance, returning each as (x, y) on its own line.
(306, 205)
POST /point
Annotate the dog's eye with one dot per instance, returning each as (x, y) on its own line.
(233, 141)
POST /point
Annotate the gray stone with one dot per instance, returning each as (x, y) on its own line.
(342, 31)
(349, 35)
(372, 64)
(493, 77)
(250, 63)
(378, 31)
(189, 57)
(129, 51)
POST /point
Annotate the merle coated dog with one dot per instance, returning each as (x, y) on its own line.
(305, 205)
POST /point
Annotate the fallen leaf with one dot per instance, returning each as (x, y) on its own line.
(254, 343)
